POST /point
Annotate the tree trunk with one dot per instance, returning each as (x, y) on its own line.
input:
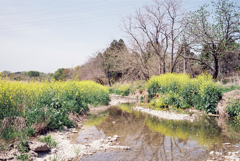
(164, 65)
(215, 74)
(109, 79)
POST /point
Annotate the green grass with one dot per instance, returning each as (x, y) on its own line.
(48, 140)
(230, 88)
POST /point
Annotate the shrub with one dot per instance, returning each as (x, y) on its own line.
(233, 108)
(46, 104)
(182, 91)
(123, 89)
(127, 88)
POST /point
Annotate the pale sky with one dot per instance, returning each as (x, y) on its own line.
(45, 35)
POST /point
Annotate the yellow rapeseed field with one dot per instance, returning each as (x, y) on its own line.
(16, 96)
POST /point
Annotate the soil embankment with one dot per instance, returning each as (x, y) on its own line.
(227, 98)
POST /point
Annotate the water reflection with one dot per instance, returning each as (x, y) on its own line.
(154, 139)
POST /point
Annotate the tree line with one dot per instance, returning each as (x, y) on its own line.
(162, 38)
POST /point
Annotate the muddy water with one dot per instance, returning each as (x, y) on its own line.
(154, 139)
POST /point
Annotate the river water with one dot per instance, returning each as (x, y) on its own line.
(152, 139)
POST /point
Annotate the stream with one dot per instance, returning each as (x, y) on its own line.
(151, 138)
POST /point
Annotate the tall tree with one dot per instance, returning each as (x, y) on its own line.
(110, 62)
(214, 31)
(157, 26)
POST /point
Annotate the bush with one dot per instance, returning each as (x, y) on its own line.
(233, 108)
(180, 90)
(123, 89)
(33, 73)
(127, 88)
(46, 105)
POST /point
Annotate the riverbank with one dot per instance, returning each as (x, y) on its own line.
(68, 148)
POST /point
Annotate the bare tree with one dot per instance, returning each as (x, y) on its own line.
(147, 28)
(151, 30)
(175, 26)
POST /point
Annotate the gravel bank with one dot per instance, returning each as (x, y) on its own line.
(66, 150)
(166, 114)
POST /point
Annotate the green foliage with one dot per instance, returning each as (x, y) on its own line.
(23, 146)
(58, 75)
(179, 90)
(127, 88)
(123, 90)
(53, 118)
(2, 147)
(48, 140)
(142, 99)
(159, 103)
(233, 108)
(210, 26)
(46, 103)
(33, 73)
(110, 61)
(230, 88)
(9, 133)
(23, 157)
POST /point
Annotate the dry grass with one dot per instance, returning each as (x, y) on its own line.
(227, 98)
(16, 123)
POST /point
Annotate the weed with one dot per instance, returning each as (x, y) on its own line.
(77, 151)
(22, 157)
(55, 158)
(44, 105)
(179, 90)
(2, 147)
(23, 146)
(48, 140)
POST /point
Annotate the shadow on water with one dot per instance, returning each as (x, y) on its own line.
(154, 139)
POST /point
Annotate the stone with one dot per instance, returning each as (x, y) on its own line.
(79, 125)
(116, 136)
(74, 131)
(65, 128)
(38, 146)
(109, 138)
(218, 153)
(9, 158)
(212, 152)
(54, 150)
(113, 139)
(32, 153)
(226, 143)
(126, 148)
(113, 122)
